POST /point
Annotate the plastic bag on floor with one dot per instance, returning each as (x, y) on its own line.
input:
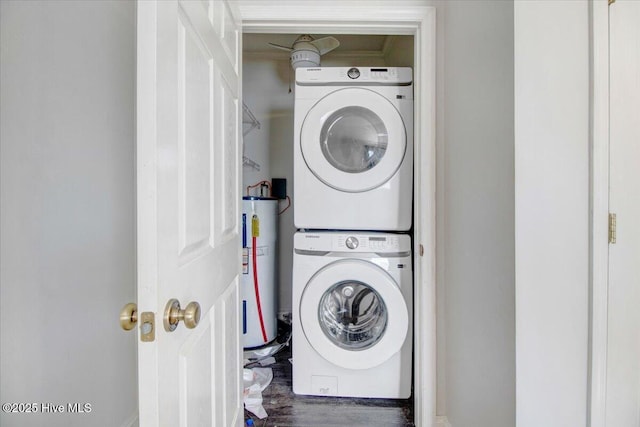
(255, 381)
(256, 355)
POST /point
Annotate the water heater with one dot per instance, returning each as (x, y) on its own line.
(259, 293)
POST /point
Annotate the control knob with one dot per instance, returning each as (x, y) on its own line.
(351, 242)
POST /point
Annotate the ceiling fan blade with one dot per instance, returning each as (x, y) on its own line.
(326, 44)
(277, 46)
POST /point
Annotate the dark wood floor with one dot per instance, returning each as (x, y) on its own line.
(287, 409)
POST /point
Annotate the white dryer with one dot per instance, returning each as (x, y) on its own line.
(352, 314)
(353, 148)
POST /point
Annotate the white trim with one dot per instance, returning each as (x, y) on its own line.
(331, 16)
(132, 421)
(397, 17)
(146, 200)
(442, 422)
(599, 245)
(425, 219)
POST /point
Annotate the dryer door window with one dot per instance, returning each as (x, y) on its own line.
(354, 314)
(353, 140)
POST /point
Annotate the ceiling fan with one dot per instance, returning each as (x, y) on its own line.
(306, 51)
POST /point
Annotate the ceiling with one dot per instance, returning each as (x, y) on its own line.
(258, 43)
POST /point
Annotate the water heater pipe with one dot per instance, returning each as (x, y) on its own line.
(255, 231)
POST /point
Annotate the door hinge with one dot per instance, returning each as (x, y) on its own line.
(612, 228)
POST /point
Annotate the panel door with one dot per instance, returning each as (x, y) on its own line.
(188, 196)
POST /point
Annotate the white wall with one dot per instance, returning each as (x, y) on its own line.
(552, 211)
(67, 87)
(476, 214)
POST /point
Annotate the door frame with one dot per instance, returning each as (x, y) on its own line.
(599, 218)
(395, 18)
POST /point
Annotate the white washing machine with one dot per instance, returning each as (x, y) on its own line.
(352, 314)
(353, 148)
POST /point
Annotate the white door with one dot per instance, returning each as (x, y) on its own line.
(188, 197)
(623, 349)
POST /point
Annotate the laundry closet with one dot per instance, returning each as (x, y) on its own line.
(269, 147)
(268, 122)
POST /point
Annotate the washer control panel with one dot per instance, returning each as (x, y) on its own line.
(368, 243)
(352, 242)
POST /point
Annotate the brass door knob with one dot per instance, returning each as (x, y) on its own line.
(173, 314)
(129, 316)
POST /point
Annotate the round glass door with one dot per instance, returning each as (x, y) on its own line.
(353, 140)
(352, 315)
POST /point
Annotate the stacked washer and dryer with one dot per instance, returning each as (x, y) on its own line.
(352, 262)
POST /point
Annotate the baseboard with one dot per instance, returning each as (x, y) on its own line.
(442, 421)
(132, 421)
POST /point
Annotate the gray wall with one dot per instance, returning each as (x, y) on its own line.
(476, 213)
(552, 211)
(67, 194)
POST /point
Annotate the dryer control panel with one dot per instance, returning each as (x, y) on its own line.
(393, 76)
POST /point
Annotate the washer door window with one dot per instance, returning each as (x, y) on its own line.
(353, 140)
(353, 314)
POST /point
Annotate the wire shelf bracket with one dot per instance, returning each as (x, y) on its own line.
(248, 119)
(249, 123)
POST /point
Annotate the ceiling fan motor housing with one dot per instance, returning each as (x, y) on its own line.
(305, 58)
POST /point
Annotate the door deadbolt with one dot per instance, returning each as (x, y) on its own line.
(173, 314)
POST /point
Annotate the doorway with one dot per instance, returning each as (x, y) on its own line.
(417, 22)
